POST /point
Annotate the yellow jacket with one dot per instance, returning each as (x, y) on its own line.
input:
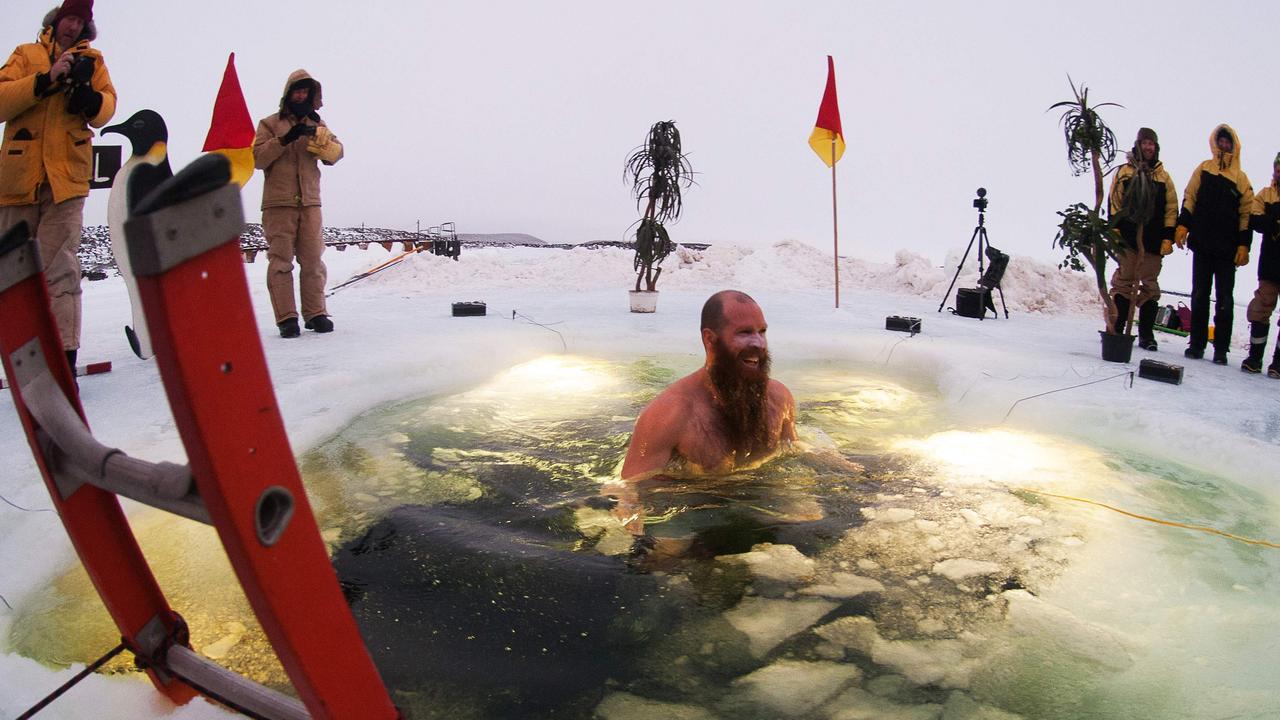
(1218, 200)
(42, 141)
(1156, 228)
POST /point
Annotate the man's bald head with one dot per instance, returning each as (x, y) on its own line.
(713, 317)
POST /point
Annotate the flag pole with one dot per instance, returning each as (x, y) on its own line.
(835, 225)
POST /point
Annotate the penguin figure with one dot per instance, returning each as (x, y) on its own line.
(145, 169)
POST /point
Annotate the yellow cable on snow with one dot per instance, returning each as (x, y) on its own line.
(1171, 523)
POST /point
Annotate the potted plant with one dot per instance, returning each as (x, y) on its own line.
(1084, 233)
(656, 170)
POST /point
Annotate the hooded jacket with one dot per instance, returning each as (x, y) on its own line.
(42, 141)
(292, 172)
(1265, 220)
(1218, 201)
(1164, 213)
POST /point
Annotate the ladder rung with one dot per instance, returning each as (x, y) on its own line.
(258, 699)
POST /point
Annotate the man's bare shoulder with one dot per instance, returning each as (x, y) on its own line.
(780, 393)
(676, 400)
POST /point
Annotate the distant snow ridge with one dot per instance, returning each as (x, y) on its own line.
(1029, 285)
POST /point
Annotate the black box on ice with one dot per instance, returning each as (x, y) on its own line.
(902, 324)
(1160, 371)
(971, 302)
(468, 309)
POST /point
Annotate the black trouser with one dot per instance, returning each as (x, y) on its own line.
(1219, 271)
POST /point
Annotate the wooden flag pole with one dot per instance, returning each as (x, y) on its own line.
(835, 225)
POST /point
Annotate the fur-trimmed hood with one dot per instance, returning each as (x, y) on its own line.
(89, 33)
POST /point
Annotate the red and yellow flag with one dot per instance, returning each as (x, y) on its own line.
(231, 129)
(828, 126)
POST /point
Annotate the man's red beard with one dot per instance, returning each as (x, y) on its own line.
(743, 393)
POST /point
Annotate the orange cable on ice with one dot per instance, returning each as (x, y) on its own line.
(1171, 523)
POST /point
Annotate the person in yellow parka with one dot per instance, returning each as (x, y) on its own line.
(291, 219)
(51, 92)
(1214, 222)
(1142, 201)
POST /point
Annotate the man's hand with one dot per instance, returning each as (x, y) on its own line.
(84, 100)
(1242, 256)
(1166, 247)
(296, 132)
(61, 66)
(1180, 236)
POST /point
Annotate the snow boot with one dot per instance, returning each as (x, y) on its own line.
(1274, 370)
(1122, 312)
(320, 323)
(1257, 347)
(1219, 356)
(1146, 325)
(289, 328)
(1193, 353)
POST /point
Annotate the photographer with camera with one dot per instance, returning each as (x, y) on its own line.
(1142, 196)
(288, 147)
(51, 92)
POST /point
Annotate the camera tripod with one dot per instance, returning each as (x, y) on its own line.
(998, 261)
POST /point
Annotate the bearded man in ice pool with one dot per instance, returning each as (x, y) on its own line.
(725, 416)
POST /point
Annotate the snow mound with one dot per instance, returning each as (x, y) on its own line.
(1029, 285)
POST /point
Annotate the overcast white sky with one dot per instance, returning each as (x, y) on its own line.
(517, 116)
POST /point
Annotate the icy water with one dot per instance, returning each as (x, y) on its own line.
(946, 579)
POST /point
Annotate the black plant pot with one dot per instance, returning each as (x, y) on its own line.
(1117, 347)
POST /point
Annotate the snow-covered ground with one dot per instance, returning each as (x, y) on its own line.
(395, 338)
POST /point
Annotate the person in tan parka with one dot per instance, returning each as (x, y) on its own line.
(289, 146)
(51, 92)
(1214, 222)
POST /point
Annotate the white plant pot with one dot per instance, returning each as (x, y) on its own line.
(643, 301)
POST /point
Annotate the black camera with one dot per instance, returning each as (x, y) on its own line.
(981, 201)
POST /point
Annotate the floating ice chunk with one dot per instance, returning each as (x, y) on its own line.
(897, 515)
(844, 585)
(1030, 616)
(926, 662)
(957, 569)
(853, 632)
(219, 648)
(867, 564)
(858, 704)
(625, 706)
(962, 707)
(927, 526)
(783, 563)
(789, 688)
(767, 622)
(972, 517)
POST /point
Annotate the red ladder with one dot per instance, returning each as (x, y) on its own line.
(241, 478)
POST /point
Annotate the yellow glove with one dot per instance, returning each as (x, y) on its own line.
(1166, 247)
(1242, 256)
(1180, 236)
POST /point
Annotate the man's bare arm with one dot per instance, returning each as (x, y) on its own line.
(654, 440)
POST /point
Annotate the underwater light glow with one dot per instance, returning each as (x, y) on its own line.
(558, 376)
(1006, 457)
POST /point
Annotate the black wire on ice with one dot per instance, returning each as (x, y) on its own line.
(6, 602)
(530, 320)
(10, 503)
(1073, 387)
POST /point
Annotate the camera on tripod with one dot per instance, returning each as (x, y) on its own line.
(981, 201)
(974, 302)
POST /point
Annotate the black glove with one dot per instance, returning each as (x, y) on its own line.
(84, 100)
(296, 132)
(43, 81)
(81, 71)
